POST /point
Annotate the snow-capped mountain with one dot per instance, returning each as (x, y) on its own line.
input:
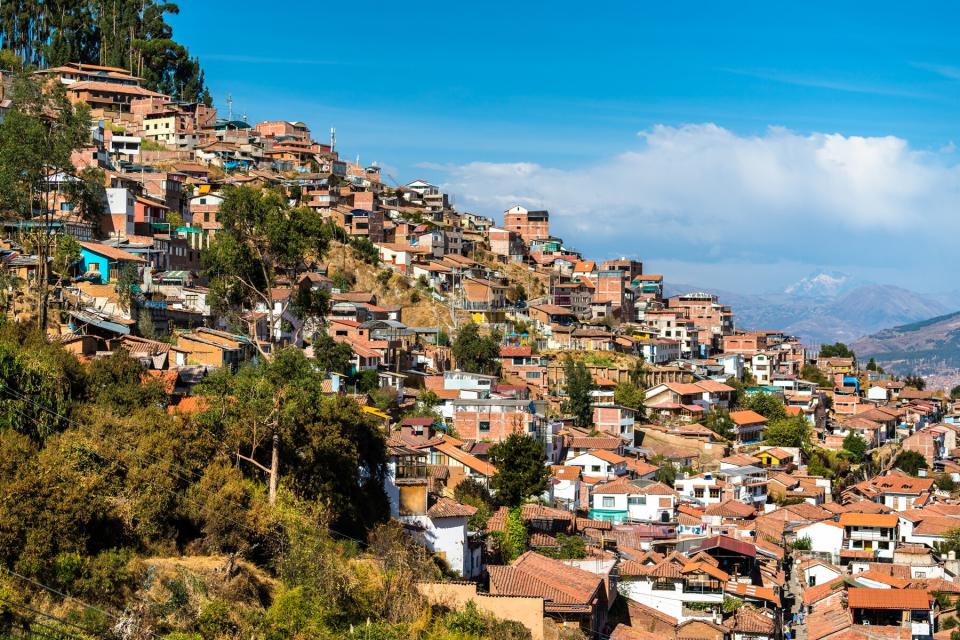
(824, 284)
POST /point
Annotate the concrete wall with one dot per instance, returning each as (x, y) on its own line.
(454, 595)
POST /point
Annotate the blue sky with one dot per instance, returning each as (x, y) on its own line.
(739, 146)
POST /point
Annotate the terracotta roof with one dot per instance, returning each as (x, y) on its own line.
(913, 599)
(639, 612)
(665, 569)
(746, 417)
(447, 508)
(816, 593)
(706, 568)
(599, 525)
(750, 620)
(751, 591)
(464, 458)
(868, 520)
(564, 587)
(515, 351)
(607, 456)
(728, 544)
(541, 512)
(730, 509)
(623, 632)
(591, 442)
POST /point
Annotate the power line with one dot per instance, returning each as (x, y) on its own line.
(55, 618)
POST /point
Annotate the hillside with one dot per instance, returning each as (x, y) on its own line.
(929, 348)
(845, 316)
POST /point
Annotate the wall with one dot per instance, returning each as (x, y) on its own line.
(526, 611)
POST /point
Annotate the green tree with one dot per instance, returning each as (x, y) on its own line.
(945, 482)
(331, 356)
(955, 393)
(718, 420)
(855, 446)
(836, 350)
(474, 493)
(476, 353)
(667, 471)
(915, 381)
(811, 373)
(791, 431)
(768, 405)
(910, 462)
(37, 138)
(630, 395)
(578, 384)
(521, 469)
(262, 241)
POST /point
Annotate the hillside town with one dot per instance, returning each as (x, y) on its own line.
(584, 454)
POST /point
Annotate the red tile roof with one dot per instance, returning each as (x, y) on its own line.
(912, 599)
(447, 508)
(564, 587)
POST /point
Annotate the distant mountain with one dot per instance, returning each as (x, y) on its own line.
(927, 348)
(845, 315)
(823, 284)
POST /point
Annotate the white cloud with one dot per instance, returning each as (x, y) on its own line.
(780, 195)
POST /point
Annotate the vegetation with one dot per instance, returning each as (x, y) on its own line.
(855, 447)
(578, 385)
(127, 504)
(131, 34)
(262, 240)
(521, 469)
(801, 544)
(511, 543)
(719, 421)
(811, 373)
(37, 138)
(628, 394)
(910, 462)
(477, 353)
(836, 350)
(571, 548)
(915, 381)
(474, 493)
(768, 405)
(791, 431)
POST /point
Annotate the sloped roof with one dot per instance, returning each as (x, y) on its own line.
(447, 508)
(532, 574)
(912, 599)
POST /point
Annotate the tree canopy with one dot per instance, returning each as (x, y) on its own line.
(855, 446)
(768, 405)
(476, 353)
(910, 462)
(789, 431)
(578, 385)
(836, 350)
(521, 469)
(131, 34)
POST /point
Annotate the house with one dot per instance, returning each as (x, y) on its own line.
(869, 533)
(748, 426)
(101, 263)
(529, 225)
(706, 394)
(213, 348)
(625, 500)
(826, 537)
(775, 457)
(566, 486)
(912, 609)
(572, 597)
(685, 591)
(614, 419)
(599, 463)
(494, 419)
(442, 529)
(816, 571)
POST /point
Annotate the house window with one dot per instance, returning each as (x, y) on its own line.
(484, 427)
(698, 493)
(595, 468)
(608, 502)
(637, 500)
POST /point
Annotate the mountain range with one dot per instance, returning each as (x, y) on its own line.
(930, 348)
(827, 307)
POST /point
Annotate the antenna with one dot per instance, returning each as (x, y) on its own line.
(229, 106)
(333, 139)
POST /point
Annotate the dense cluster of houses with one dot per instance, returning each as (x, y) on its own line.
(744, 541)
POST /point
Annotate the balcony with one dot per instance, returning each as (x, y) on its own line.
(414, 473)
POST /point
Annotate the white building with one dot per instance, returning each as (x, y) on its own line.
(826, 538)
(599, 463)
(633, 501)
